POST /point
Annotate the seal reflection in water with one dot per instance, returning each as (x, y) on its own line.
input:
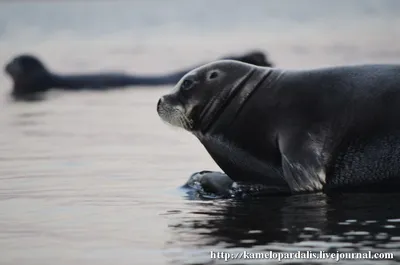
(286, 131)
(30, 76)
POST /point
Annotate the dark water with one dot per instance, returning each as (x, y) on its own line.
(343, 222)
(93, 178)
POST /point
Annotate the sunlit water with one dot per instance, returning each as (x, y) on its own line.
(93, 178)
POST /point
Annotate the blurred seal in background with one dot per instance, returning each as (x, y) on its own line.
(31, 77)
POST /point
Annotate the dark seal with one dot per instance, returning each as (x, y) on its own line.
(31, 76)
(292, 131)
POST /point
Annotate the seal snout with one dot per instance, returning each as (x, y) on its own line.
(164, 107)
(171, 111)
(161, 108)
(7, 68)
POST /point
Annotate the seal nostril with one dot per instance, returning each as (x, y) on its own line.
(159, 103)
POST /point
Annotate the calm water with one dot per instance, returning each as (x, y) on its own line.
(93, 178)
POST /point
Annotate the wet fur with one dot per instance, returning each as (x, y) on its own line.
(311, 130)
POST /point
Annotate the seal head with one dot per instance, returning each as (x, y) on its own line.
(29, 75)
(203, 94)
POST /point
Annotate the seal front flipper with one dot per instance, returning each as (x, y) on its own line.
(302, 163)
(211, 182)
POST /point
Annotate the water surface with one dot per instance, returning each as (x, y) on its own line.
(92, 178)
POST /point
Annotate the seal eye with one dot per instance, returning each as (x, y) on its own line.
(186, 85)
(213, 75)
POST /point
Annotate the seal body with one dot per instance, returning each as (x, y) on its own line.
(295, 131)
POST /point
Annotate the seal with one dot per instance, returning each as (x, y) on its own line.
(292, 131)
(31, 76)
